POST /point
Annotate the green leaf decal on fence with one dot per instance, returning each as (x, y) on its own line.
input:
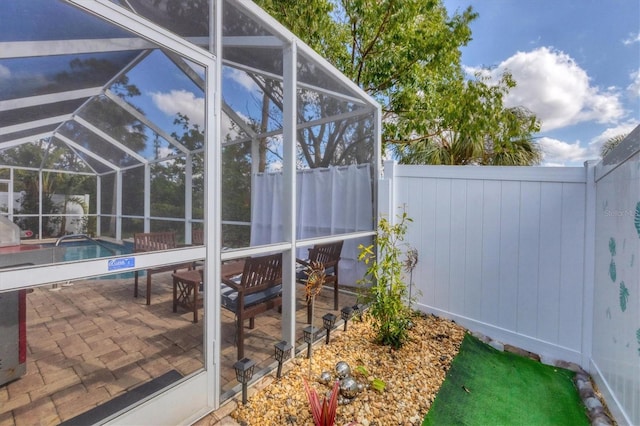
(612, 270)
(636, 220)
(612, 246)
(624, 296)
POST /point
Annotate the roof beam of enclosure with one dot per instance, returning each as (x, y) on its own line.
(131, 110)
(34, 124)
(333, 94)
(109, 139)
(27, 49)
(199, 81)
(49, 99)
(86, 151)
(300, 126)
(251, 41)
(26, 139)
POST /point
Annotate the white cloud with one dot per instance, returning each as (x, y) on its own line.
(240, 77)
(4, 72)
(183, 102)
(634, 87)
(559, 153)
(612, 132)
(633, 38)
(552, 85)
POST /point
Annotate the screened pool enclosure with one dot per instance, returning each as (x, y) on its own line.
(203, 120)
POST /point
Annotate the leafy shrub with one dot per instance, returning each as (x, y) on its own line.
(387, 294)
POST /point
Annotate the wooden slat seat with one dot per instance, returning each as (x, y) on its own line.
(258, 290)
(154, 241)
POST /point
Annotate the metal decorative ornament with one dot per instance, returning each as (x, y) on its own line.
(342, 370)
(348, 387)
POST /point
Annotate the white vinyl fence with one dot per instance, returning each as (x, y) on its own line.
(616, 309)
(511, 252)
(501, 250)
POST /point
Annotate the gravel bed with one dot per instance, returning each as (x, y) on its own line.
(413, 375)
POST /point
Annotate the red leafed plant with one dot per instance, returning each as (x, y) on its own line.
(323, 414)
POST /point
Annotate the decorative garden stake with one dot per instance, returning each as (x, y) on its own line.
(244, 373)
(283, 351)
(409, 265)
(315, 280)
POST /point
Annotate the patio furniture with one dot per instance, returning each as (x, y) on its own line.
(329, 255)
(155, 241)
(186, 286)
(197, 237)
(257, 290)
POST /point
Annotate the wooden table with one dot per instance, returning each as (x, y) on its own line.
(186, 286)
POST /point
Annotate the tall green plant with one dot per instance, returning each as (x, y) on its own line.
(387, 292)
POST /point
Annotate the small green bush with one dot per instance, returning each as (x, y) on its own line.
(387, 292)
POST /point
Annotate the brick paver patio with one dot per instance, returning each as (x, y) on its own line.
(92, 341)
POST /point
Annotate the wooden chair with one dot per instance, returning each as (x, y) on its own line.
(197, 237)
(329, 255)
(258, 290)
(154, 241)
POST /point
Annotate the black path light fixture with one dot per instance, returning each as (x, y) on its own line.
(309, 334)
(283, 351)
(346, 313)
(244, 373)
(328, 320)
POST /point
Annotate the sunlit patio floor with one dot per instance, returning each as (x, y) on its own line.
(92, 341)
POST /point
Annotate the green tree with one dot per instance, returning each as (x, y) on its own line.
(406, 55)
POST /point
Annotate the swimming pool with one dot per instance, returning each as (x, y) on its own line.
(86, 249)
(69, 251)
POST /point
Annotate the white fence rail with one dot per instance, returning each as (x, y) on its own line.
(501, 250)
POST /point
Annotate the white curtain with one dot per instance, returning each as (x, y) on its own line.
(333, 200)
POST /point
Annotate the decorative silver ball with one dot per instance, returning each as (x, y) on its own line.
(348, 387)
(360, 387)
(325, 378)
(342, 370)
(343, 401)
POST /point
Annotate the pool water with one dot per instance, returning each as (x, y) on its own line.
(79, 250)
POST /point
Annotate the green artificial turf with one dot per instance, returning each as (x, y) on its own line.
(487, 387)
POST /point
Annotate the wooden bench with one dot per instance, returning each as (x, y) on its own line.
(154, 241)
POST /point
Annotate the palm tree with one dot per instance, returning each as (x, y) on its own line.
(611, 143)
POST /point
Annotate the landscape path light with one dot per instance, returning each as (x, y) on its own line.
(309, 334)
(283, 351)
(346, 313)
(328, 320)
(244, 373)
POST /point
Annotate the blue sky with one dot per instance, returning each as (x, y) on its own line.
(576, 62)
